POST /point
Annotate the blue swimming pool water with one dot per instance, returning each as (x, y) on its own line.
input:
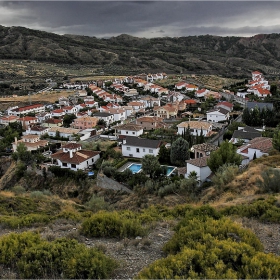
(135, 168)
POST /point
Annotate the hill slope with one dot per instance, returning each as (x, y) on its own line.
(231, 56)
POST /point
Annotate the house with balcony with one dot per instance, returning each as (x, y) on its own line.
(31, 142)
(19, 111)
(28, 121)
(85, 122)
(167, 111)
(203, 150)
(72, 156)
(150, 122)
(196, 127)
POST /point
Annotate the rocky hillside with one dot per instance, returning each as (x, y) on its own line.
(229, 56)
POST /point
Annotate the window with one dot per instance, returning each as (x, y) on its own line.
(133, 132)
(150, 151)
(73, 165)
(137, 150)
(64, 164)
(126, 132)
(144, 150)
(128, 148)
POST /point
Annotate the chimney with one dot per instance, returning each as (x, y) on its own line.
(71, 153)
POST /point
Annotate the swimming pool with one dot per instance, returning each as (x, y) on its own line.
(169, 169)
(135, 168)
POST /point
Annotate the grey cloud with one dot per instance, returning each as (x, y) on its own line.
(111, 18)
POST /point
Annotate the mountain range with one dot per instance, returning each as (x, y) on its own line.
(205, 54)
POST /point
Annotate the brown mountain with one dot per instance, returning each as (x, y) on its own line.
(227, 56)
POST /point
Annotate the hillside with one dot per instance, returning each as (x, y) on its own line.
(124, 54)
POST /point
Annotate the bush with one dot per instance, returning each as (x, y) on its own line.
(34, 257)
(18, 190)
(111, 225)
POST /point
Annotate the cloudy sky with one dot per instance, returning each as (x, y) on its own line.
(144, 18)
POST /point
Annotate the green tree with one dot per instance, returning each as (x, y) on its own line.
(68, 119)
(150, 165)
(179, 152)
(23, 154)
(164, 155)
(225, 154)
(276, 139)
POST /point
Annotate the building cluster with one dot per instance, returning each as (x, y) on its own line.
(141, 113)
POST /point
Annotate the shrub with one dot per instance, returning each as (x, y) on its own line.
(18, 190)
(35, 257)
(104, 224)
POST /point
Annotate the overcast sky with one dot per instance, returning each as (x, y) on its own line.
(144, 18)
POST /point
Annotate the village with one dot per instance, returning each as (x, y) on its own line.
(140, 117)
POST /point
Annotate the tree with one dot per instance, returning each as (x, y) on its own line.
(164, 155)
(276, 139)
(179, 152)
(150, 165)
(22, 154)
(225, 154)
(68, 119)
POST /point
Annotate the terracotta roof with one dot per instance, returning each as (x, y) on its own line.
(206, 147)
(27, 118)
(195, 124)
(130, 126)
(53, 121)
(78, 157)
(264, 144)
(199, 162)
(151, 119)
(225, 103)
(71, 146)
(30, 107)
(30, 136)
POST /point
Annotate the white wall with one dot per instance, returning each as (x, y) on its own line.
(202, 172)
(142, 151)
(131, 133)
(214, 117)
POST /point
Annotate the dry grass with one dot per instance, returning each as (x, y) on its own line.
(50, 97)
(7, 194)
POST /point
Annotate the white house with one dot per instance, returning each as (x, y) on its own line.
(129, 129)
(107, 117)
(72, 156)
(225, 105)
(259, 146)
(70, 110)
(245, 134)
(16, 111)
(201, 92)
(195, 127)
(119, 114)
(181, 85)
(198, 165)
(36, 130)
(217, 115)
(65, 132)
(139, 147)
(58, 113)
